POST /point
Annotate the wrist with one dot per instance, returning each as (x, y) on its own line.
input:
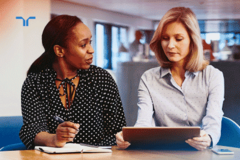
(54, 140)
(211, 142)
(51, 141)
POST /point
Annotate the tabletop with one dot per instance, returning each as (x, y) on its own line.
(118, 154)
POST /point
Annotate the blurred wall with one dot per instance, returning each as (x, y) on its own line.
(19, 47)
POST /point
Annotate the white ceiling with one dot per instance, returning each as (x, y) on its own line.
(155, 9)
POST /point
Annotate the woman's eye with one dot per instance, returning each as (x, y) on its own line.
(84, 45)
(179, 39)
(164, 38)
(90, 42)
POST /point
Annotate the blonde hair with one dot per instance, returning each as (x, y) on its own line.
(195, 61)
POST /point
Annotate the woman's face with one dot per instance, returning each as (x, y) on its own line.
(79, 53)
(175, 42)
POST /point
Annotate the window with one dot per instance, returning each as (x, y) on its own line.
(119, 37)
(108, 40)
(220, 30)
(99, 51)
(222, 35)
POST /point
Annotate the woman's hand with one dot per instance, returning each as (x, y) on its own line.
(200, 143)
(65, 132)
(120, 141)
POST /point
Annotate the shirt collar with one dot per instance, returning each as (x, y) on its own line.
(166, 71)
(80, 72)
(187, 73)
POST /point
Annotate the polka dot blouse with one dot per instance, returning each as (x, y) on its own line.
(97, 107)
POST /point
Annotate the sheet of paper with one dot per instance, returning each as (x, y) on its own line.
(72, 148)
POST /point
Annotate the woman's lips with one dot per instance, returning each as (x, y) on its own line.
(171, 53)
(89, 61)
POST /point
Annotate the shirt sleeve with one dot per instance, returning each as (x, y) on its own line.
(211, 122)
(145, 106)
(34, 119)
(113, 114)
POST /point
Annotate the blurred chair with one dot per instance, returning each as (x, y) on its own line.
(230, 133)
(9, 133)
(12, 147)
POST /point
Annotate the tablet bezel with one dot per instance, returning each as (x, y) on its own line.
(159, 136)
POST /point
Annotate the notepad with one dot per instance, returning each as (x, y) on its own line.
(73, 148)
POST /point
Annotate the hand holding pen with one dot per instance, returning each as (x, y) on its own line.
(65, 132)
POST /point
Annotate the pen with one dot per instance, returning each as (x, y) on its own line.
(41, 149)
(60, 120)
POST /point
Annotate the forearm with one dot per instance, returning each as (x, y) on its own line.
(45, 139)
(145, 107)
(34, 118)
(212, 120)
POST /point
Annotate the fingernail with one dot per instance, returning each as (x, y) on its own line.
(77, 125)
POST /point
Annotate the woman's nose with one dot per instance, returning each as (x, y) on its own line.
(171, 44)
(90, 49)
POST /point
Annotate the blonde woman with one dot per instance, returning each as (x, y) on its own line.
(184, 90)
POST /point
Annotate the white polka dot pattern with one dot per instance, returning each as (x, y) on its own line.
(97, 107)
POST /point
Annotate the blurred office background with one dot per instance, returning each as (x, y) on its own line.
(113, 24)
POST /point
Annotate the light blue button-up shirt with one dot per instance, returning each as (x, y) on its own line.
(198, 102)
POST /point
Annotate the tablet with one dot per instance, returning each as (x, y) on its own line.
(159, 136)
